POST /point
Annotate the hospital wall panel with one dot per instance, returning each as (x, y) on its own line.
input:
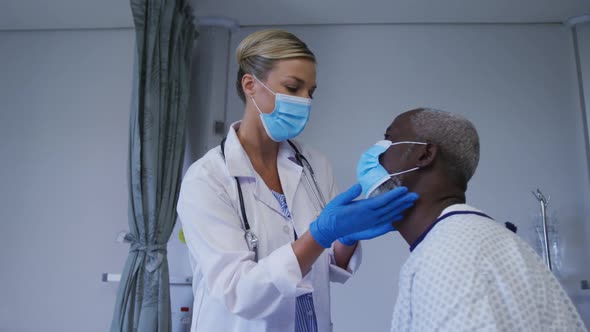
(64, 118)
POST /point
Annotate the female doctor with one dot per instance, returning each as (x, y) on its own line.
(262, 243)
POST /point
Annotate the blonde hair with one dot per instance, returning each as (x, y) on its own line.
(259, 51)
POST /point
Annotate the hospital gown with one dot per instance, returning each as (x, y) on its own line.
(471, 274)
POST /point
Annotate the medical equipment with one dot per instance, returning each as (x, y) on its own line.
(251, 238)
(544, 202)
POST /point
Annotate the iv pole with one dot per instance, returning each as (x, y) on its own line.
(543, 201)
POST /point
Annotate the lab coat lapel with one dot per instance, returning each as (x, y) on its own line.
(289, 173)
(265, 196)
(290, 176)
(239, 165)
(236, 159)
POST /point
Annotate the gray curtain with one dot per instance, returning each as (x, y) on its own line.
(165, 33)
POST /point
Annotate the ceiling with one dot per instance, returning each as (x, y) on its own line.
(91, 14)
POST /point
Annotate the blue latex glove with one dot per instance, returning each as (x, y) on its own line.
(370, 233)
(343, 216)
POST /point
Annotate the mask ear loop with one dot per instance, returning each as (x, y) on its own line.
(256, 105)
(264, 85)
(267, 88)
(404, 172)
(409, 142)
(411, 169)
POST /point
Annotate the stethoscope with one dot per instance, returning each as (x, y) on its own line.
(319, 202)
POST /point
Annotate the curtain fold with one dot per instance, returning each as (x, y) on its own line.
(165, 33)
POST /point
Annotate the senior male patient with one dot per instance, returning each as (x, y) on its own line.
(465, 271)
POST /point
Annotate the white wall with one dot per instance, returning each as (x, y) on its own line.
(583, 40)
(64, 112)
(584, 45)
(208, 92)
(517, 83)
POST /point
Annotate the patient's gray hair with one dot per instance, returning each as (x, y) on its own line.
(455, 136)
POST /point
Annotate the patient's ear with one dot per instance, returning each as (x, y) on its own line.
(427, 155)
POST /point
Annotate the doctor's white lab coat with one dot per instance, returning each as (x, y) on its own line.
(231, 291)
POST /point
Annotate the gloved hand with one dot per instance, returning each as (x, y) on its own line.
(370, 233)
(343, 216)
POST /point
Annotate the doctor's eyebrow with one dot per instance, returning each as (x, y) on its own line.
(300, 81)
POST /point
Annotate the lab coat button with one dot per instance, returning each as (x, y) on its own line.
(286, 229)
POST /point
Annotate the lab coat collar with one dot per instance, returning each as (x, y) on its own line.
(238, 164)
(236, 159)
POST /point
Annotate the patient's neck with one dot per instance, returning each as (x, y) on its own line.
(434, 198)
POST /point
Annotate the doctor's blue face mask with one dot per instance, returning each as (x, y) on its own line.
(370, 174)
(289, 117)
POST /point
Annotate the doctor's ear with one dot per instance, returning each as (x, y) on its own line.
(427, 155)
(248, 85)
